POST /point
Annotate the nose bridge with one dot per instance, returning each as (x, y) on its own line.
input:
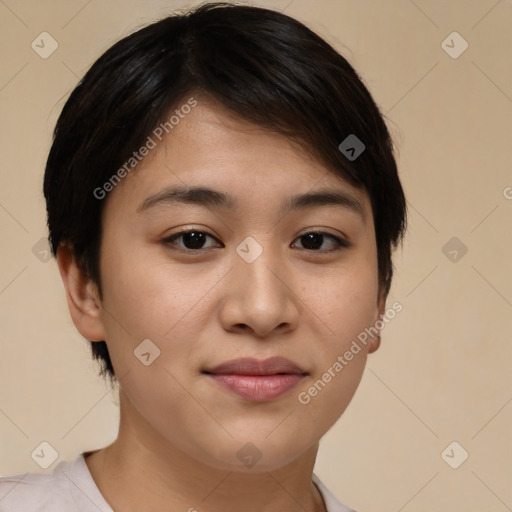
(258, 296)
(255, 266)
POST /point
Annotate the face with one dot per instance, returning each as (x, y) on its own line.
(210, 282)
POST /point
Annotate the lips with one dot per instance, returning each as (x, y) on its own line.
(250, 366)
(255, 380)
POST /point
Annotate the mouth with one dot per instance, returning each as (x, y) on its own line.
(255, 380)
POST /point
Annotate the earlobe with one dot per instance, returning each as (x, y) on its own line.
(82, 296)
(381, 306)
(374, 344)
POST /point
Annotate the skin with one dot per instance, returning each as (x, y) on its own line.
(179, 432)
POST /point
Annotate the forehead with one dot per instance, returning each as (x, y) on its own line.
(212, 156)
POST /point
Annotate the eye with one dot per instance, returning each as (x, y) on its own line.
(192, 240)
(314, 240)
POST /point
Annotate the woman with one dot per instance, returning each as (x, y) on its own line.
(223, 202)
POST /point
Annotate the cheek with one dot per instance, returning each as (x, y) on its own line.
(152, 297)
(346, 304)
(147, 300)
(170, 305)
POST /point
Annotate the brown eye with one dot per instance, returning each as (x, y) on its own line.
(314, 240)
(192, 240)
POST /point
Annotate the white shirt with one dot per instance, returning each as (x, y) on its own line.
(71, 488)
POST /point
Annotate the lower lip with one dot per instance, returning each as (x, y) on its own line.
(258, 388)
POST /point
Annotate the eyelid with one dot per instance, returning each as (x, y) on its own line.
(322, 231)
(169, 240)
(340, 241)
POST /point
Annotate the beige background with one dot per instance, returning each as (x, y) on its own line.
(443, 371)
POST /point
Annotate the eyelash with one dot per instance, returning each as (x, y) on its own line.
(170, 241)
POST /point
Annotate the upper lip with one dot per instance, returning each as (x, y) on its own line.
(251, 366)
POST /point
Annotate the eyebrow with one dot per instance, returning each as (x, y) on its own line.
(208, 197)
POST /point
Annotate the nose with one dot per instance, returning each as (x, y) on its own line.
(259, 298)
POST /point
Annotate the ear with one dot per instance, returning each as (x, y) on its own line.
(82, 296)
(379, 312)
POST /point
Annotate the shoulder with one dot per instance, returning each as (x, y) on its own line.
(69, 488)
(331, 502)
(35, 492)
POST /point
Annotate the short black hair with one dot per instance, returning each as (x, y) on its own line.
(264, 66)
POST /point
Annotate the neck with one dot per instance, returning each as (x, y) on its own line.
(139, 471)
